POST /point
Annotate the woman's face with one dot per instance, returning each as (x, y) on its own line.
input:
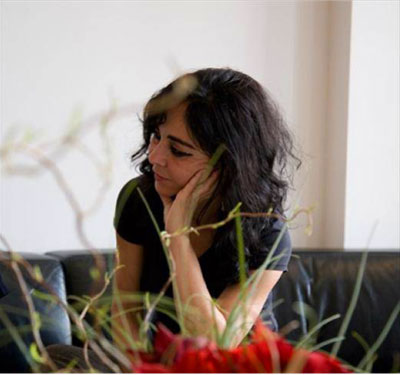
(173, 154)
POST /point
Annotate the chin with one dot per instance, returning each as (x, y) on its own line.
(163, 189)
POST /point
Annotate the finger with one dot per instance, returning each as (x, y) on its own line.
(205, 185)
(197, 184)
(193, 183)
(205, 189)
(206, 173)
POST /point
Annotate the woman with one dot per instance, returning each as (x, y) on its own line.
(183, 126)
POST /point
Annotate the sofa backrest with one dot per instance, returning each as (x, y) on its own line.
(318, 285)
(84, 276)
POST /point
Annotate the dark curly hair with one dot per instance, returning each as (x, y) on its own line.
(228, 107)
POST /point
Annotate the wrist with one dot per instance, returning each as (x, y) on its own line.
(177, 229)
(180, 244)
(181, 240)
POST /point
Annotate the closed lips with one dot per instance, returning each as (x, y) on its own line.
(158, 175)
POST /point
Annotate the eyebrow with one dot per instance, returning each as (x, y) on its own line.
(178, 140)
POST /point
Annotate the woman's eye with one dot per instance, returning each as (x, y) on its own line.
(178, 153)
(156, 137)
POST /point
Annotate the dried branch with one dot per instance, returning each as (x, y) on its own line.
(165, 236)
(31, 307)
(18, 260)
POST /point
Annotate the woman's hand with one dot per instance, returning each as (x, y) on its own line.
(179, 213)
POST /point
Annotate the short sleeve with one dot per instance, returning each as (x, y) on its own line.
(276, 245)
(130, 213)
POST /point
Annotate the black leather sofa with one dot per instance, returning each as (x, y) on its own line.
(322, 281)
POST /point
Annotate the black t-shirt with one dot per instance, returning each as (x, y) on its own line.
(3, 289)
(134, 224)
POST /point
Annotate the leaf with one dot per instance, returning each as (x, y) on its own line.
(28, 136)
(305, 310)
(33, 350)
(308, 230)
(94, 273)
(38, 273)
(353, 302)
(75, 121)
(315, 328)
(360, 340)
(371, 352)
(15, 257)
(45, 297)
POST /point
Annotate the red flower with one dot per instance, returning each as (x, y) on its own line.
(268, 352)
(323, 363)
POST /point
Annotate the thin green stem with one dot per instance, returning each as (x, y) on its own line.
(18, 340)
(326, 342)
(169, 261)
(360, 340)
(315, 329)
(353, 302)
(381, 337)
(243, 295)
(241, 255)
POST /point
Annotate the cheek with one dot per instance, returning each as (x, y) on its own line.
(185, 172)
(180, 175)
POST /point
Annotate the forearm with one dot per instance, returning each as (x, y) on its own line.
(201, 316)
(125, 334)
(124, 327)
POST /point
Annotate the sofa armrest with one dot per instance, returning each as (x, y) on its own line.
(55, 325)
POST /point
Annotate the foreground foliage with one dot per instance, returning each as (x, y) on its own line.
(266, 353)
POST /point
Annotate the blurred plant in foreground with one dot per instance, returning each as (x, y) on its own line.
(265, 352)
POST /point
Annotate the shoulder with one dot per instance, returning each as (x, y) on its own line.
(134, 201)
(275, 244)
(127, 199)
(276, 232)
(135, 192)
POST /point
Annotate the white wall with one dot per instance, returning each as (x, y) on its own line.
(61, 55)
(373, 162)
(60, 58)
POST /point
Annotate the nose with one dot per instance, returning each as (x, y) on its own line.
(157, 154)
